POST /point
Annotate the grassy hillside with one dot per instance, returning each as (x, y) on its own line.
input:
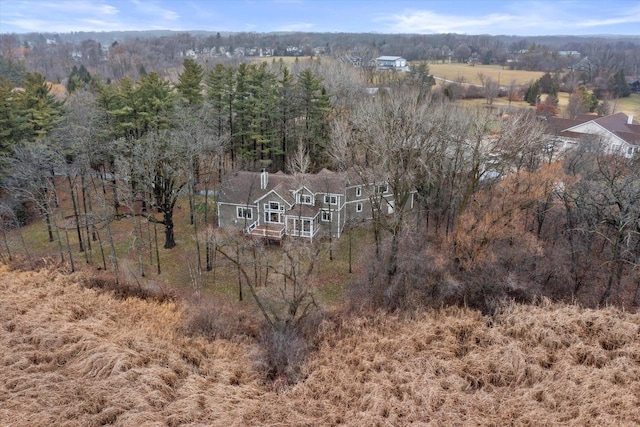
(74, 356)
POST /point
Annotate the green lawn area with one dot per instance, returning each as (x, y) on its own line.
(179, 266)
(629, 105)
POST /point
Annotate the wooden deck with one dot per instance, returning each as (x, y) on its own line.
(274, 231)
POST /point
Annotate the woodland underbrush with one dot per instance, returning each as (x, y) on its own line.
(429, 270)
(425, 279)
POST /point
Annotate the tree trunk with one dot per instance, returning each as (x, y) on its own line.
(56, 201)
(192, 203)
(239, 275)
(86, 212)
(138, 235)
(169, 238)
(104, 259)
(198, 254)
(76, 215)
(60, 244)
(615, 271)
(155, 232)
(114, 255)
(393, 256)
(350, 251)
(47, 220)
(26, 250)
(73, 267)
(114, 186)
(6, 244)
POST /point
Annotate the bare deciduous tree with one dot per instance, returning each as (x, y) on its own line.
(490, 88)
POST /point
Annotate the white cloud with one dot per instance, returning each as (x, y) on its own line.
(72, 7)
(62, 26)
(630, 16)
(424, 21)
(297, 26)
(152, 10)
(170, 15)
(520, 18)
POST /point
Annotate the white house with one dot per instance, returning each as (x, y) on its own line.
(396, 63)
(617, 131)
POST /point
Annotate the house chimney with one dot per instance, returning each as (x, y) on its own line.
(264, 179)
(630, 119)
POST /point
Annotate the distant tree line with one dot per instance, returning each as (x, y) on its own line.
(116, 55)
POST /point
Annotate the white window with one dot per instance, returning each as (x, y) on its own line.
(381, 189)
(358, 191)
(306, 225)
(305, 199)
(272, 212)
(358, 207)
(326, 216)
(333, 200)
(630, 150)
(244, 212)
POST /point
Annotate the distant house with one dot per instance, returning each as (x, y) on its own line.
(617, 131)
(634, 84)
(396, 63)
(584, 65)
(356, 61)
(569, 53)
(304, 205)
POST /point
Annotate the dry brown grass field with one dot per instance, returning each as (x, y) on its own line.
(74, 356)
(469, 74)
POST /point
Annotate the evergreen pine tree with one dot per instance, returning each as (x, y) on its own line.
(532, 95)
(618, 85)
(14, 124)
(314, 107)
(190, 81)
(43, 111)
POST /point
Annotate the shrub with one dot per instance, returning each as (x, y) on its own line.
(285, 346)
(418, 283)
(123, 289)
(282, 353)
(219, 321)
(474, 92)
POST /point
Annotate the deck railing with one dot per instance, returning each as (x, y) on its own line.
(268, 231)
(252, 227)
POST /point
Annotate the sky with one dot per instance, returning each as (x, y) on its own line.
(497, 17)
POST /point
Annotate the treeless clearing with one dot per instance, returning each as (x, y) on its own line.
(454, 71)
(629, 105)
(74, 356)
(289, 60)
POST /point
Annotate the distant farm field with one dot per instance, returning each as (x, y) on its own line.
(286, 59)
(469, 74)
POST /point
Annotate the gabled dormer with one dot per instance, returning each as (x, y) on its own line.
(304, 196)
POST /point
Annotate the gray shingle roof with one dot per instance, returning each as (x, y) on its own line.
(244, 187)
(614, 123)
